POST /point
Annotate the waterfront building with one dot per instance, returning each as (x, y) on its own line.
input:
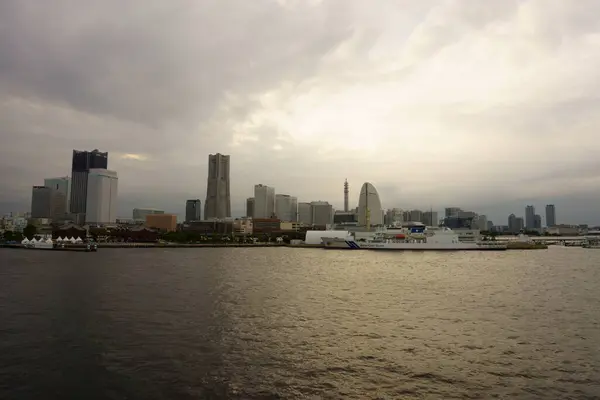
(286, 207)
(101, 202)
(305, 215)
(369, 200)
(162, 222)
(47, 202)
(322, 213)
(264, 201)
(250, 207)
(530, 218)
(218, 197)
(192, 210)
(82, 163)
(550, 215)
(139, 214)
(62, 185)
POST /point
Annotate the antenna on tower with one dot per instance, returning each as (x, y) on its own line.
(346, 191)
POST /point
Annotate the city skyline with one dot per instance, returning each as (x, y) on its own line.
(432, 110)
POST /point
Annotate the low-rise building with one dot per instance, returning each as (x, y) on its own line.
(211, 227)
(243, 226)
(266, 225)
(162, 222)
(563, 230)
(292, 226)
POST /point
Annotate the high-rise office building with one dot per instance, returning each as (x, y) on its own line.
(537, 222)
(530, 217)
(294, 211)
(322, 213)
(82, 162)
(305, 213)
(452, 212)
(62, 185)
(218, 197)
(550, 215)
(250, 207)
(430, 218)
(101, 196)
(47, 202)
(264, 201)
(192, 210)
(286, 207)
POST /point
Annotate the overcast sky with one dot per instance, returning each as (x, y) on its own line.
(489, 105)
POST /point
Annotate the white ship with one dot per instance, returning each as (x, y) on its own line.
(416, 238)
(591, 243)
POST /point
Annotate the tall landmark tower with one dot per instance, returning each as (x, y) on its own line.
(218, 198)
(346, 192)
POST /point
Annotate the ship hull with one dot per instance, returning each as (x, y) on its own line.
(340, 244)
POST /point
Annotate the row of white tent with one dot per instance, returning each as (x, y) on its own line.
(34, 240)
(71, 239)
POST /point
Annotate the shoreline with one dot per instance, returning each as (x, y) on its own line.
(160, 246)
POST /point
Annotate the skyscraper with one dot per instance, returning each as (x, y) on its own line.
(82, 162)
(192, 210)
(218, 198)
(550, 215)
(305, 214)
(250, 207)
(47, 202)
(63, 185)
(264, 201)
(530, 218)
(101, 201)
(286, 207)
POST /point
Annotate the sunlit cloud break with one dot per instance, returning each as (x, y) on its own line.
(131, 156)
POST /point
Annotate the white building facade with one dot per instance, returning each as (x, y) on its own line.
(264, 201)
(101, 202)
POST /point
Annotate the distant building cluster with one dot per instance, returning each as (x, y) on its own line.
(88, 198)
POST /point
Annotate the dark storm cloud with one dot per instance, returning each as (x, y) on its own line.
(150, 61)
(294, 88)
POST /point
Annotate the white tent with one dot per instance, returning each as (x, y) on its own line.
(34, 240)
(72, 240)
(59, 239)
(25, 241)
(78, 240)
(49, 240)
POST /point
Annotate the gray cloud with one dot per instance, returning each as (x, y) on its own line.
(434, 102)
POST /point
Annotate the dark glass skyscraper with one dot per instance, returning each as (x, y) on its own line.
(82, 162)
(192, 210)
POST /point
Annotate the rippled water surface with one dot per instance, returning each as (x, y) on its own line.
(299, 323)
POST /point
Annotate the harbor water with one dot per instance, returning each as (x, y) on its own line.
(269, 323)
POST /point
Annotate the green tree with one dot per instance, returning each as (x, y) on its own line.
(30, 231)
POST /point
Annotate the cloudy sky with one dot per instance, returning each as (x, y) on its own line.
(488, 105)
